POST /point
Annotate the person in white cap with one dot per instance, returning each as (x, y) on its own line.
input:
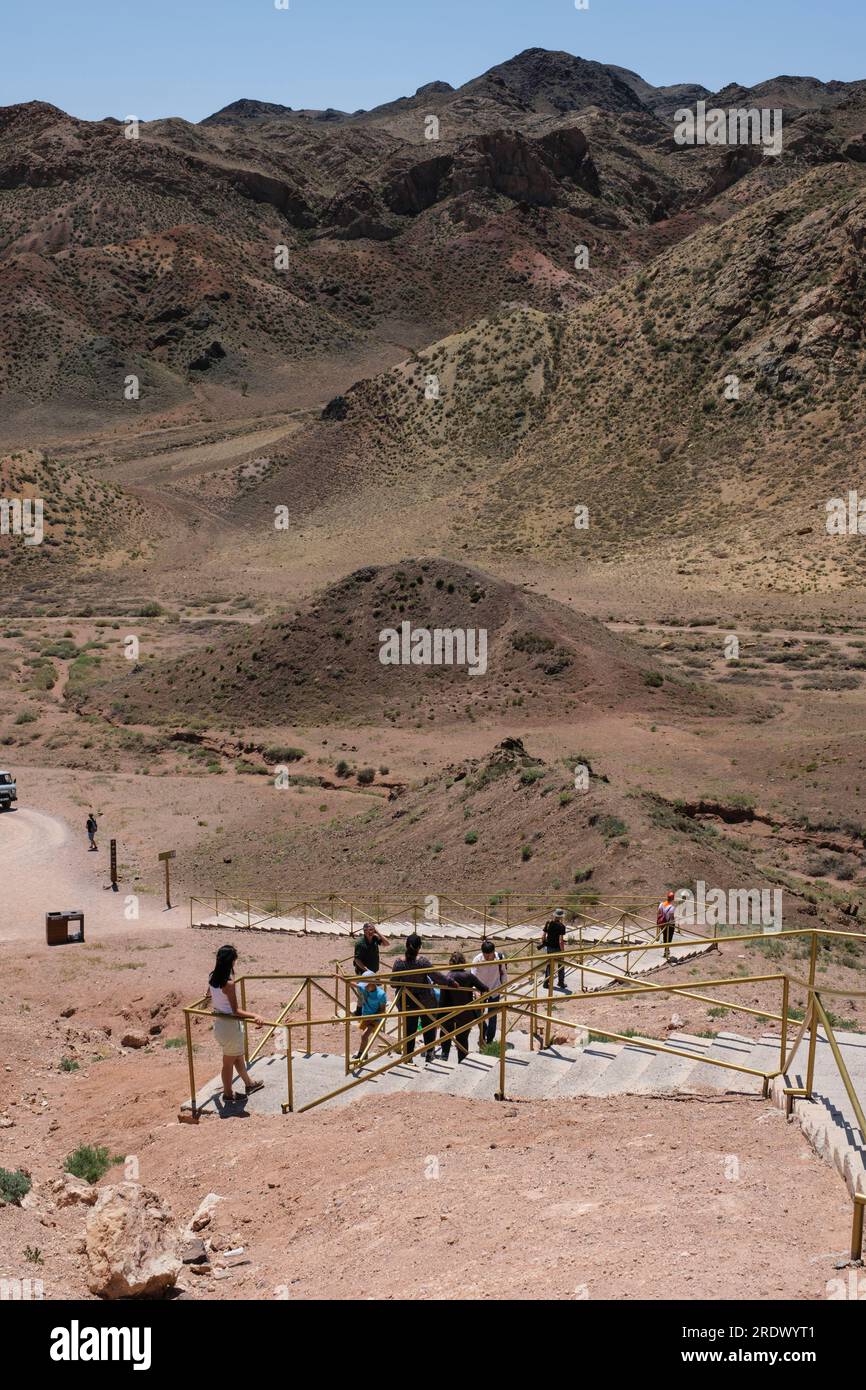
(553, 940)
(666, 919)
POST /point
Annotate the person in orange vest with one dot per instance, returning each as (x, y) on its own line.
(666, 920)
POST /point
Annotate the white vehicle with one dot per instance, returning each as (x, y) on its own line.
(8, 790)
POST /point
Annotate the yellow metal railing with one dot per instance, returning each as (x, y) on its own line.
(524, 999)
(480, 915)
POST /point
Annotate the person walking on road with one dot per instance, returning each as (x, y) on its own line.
(553, 941)
(92, 828)
(228, 1024)
(490, 968)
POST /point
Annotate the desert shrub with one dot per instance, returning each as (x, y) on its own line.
(652, 678)
(611, 827)
(532, 774)
(471, 837)
(279, 753)
(530, 642)
(14, 1184)
(90, 1162)
(366, 776)
(831, 683)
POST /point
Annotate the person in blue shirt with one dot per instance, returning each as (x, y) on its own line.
(374, 1001)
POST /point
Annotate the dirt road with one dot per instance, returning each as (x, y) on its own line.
(45, 866)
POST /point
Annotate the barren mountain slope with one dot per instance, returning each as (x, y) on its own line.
(322, 663)
(158, 257)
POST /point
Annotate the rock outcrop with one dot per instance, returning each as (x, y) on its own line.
(130, 1244)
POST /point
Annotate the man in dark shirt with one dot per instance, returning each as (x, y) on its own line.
(456, 992)
(367, 953)
(367, 950)
(416, 994)
(553, 940)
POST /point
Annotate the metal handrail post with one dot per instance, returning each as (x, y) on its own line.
(857, 1227)
(192, 1091)
(309, 1017)
(503, 1029)
(550, 969)
(347, 1030)
(783, 1051)
(243, 985)
(813, 1036)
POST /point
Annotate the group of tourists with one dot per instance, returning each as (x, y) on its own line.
(463, 996)
(424, 989)
(469, 991)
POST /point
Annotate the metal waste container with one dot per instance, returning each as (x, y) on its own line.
(57, 927)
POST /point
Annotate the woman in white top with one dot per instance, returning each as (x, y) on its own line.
(228, 1025)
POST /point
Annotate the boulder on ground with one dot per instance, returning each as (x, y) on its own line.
(205, 1212)
(130, 1244)
(69, 1190)
(134, 1039)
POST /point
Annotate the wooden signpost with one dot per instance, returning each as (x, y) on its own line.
(113, 849)
(166, 857)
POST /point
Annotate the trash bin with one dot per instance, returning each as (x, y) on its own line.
(57, 927)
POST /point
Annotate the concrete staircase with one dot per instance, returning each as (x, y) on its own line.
(595, 1069)
(644, 961)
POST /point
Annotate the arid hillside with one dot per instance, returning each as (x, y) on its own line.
(717, 397)
(323, 663)
(79, 521)
(230, 260)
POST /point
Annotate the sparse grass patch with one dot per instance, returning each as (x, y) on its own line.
(14, 1184)
(90, 1162)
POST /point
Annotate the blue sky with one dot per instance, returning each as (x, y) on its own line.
(189, 57)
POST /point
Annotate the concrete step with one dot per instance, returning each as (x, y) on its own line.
(536, 1075)
(477, 1076)
(623, 1072)
(689, 1042)
(665, 1073)
(589, 1064)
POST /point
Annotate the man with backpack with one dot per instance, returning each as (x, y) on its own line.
(91, 830)
(553, 941)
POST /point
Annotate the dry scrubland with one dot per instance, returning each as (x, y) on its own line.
(307, 389)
